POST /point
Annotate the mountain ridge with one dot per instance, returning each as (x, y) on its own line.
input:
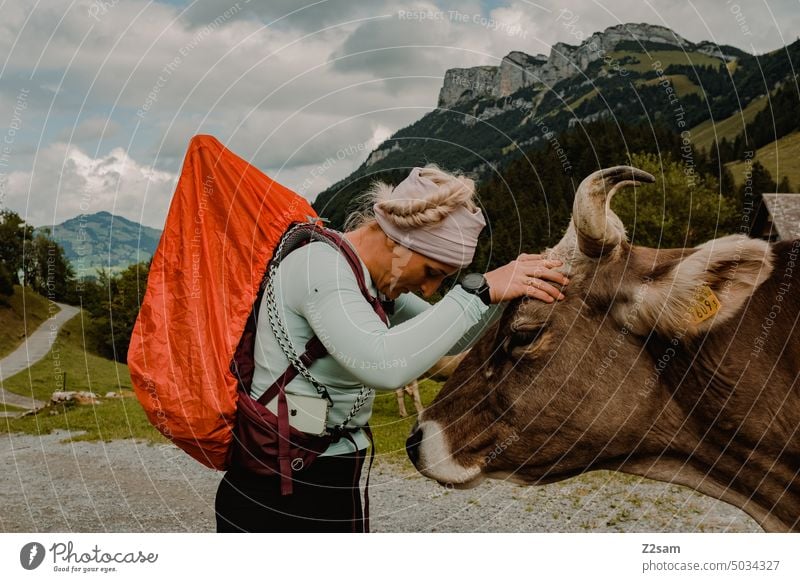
(632, 73)
(103, 240)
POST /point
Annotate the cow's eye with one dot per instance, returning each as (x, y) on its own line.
(521, 340)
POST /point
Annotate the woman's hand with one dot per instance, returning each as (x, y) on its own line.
(527, 276)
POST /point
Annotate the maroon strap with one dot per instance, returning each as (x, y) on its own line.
(314, 351)
(355, 265)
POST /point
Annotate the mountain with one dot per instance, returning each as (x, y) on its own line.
(488, 116)
(104, 240)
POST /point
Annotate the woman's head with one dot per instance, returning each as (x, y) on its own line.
(431, 224)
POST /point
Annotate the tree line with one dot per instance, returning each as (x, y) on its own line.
(38, 262)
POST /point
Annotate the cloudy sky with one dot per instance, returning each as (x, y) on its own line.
(98, 98)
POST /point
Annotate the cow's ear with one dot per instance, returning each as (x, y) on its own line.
(704, 288)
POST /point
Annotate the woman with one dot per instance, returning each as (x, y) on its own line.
(416, 235)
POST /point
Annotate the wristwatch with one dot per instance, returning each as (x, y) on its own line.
(476, 284)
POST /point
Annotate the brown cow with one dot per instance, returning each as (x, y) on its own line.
(680, 365)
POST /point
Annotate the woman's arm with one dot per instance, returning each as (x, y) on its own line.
(317, 283)
(409, 305)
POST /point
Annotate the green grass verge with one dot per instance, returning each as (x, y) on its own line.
(110, 420)
(779, 158)
(705, 134)
(9, 408)
(25, 312)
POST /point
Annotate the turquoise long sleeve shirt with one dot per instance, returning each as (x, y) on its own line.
(317, 294)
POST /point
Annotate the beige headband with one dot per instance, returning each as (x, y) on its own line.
(451, 241)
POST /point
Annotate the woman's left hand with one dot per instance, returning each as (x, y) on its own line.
(526, 276)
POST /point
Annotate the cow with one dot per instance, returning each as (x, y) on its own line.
(412, 389)
(679, 365)
(441, 370)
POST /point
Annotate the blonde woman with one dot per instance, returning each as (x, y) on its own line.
(414, 236)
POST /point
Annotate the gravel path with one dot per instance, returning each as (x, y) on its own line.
(125, 486)
(36, 346)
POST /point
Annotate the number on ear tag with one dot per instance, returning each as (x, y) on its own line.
(704, 305)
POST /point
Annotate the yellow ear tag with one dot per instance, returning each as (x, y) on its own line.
(705, 304)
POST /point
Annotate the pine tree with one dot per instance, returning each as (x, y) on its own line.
(761, 180)
(114, 303)
(46, 267)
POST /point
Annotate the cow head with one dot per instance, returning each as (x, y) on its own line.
(553, 390)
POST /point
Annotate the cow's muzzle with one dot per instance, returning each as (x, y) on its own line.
(429, 452)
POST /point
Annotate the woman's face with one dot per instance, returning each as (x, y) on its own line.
(410, 271)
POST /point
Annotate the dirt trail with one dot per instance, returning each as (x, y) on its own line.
(36, 346)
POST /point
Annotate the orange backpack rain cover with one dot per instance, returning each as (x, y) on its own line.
(225, 220)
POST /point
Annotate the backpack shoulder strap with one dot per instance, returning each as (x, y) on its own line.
(339, 241)
(298, 236)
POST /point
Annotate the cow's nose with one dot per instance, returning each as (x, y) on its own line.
(412, 444)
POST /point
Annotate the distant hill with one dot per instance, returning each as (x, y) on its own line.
(104, 240)
(489, 116)
(779, 158)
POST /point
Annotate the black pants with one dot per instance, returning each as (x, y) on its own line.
(326, 498)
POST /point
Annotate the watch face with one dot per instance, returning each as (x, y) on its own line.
(473, 281)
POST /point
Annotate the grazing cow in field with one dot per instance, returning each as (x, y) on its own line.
(441, 370)
(412, 389)
(681, 365)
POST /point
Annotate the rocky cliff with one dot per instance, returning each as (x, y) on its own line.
(518, 70)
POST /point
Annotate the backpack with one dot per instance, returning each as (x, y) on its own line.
(191, 351)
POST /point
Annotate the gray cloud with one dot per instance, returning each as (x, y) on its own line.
(288, 97)
(302, 15)
(92, 129)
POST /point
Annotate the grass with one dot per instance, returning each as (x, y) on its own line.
(25, 312)
(705, 134)
(680, 83)
(85, 369)
(590, 95)
(9, 408)
(779, 158)
(666, 58)
(390, 431)
(123, 418)
(111, 419)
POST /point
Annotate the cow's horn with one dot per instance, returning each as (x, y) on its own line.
(599, 230)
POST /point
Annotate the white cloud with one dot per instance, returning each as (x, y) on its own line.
(66, 182)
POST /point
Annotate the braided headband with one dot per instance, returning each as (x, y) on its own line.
(451, 241)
